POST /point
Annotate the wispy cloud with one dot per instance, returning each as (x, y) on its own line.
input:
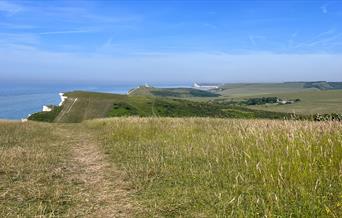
(324, 40)
(66, 32)
(324, 8)
(10, 7)
(254, 38)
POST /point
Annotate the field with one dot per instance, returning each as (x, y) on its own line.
(213, 167)
(315, 97)
(311, 102)
(172, 92)
(183, 167)
(236, 90)
(256, 89)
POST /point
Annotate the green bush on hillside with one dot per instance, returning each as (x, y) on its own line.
(46, 116)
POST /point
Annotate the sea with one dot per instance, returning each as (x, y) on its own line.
(17, 101)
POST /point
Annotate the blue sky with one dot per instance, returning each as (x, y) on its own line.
(170, 41)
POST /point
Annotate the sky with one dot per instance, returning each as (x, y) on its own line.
(170, 41)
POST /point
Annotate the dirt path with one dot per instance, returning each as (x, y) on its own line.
(102, 189)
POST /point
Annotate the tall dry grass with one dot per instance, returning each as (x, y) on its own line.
(32, 171)
(198, 167)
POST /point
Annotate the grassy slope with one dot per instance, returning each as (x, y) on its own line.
(99, 105)
(197, 167)
(46, 116)
(173, 92)
(257, 89)
(311, 102)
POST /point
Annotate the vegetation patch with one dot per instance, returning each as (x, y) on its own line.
(122, 109)
(46, 116)
(268, 100)
(172, 92)
(328, 117)
(199, 167)
(182, 93)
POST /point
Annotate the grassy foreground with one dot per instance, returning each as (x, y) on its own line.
(188, 167)
(32, 181)
(199, 167)
(47, 170)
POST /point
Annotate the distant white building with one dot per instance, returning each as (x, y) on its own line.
(205, 86)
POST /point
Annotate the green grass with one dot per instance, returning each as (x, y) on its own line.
(46, 116)
(81, 106)
(239, 90)
(173, 92)
(199, 167)
(177, 167)
(314, 98)
(32, 181)
(329, 101)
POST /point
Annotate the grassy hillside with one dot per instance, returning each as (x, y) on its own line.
(323, 85)
(46, 116)
(256, 89)
(329, 101)
(228, 168)
(237, 90)
(315, 97)
(81, 106)
(173, 92)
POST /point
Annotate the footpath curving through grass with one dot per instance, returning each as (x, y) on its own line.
(201, 167)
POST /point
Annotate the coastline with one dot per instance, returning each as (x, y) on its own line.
(47, 108)
(24, 101)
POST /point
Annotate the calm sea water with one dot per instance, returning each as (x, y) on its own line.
(17, 101)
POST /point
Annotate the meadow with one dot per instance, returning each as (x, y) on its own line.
(201, 167)
(32, 180)
(311, 102)
(171, 167)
